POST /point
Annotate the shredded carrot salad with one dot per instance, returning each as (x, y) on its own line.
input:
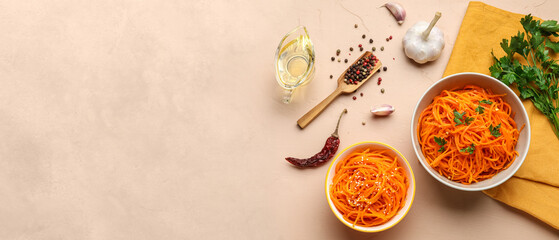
(468, 135)
(369, 187)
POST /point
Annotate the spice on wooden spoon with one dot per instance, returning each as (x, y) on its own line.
(348, 82)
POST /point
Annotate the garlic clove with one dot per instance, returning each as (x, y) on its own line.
(397, 11)
(382, 110)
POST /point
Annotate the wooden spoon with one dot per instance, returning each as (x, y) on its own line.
(343, 87)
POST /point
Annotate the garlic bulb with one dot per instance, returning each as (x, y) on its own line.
(424, 42)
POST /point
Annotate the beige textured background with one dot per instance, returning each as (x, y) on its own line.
(162, 120)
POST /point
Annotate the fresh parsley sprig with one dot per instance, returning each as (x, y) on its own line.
(470, 149)
(536, 80)
(480, 109)
(441, 143)
(495, 130)
(459, 118)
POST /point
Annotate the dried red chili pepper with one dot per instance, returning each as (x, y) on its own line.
(330, 148)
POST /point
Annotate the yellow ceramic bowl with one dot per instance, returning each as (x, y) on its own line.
(392, 152)
(521, 118)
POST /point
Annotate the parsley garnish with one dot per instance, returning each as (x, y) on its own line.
(495, 130)
(468, 120)
(441, 143)
(458, 118)
(480, 109)
(536, 80)
(486, 101)
(470, 149)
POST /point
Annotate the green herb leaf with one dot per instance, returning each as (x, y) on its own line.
(486, 101)
(441, 143)
(480, 109)
(554, 46)
(495, 130)
(468, 120)
(549, 27)
(458, 117)
(529, 24)
(470, 149)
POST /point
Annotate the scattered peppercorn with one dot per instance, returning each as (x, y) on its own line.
(355, 25)
(387, 39)
(331, 76)
(363, 123)
(345, 60)
(361, 94)
(379, 80)
(382, 48)
(333, 58)
(360, 45)
(384, 68)
(338, 52)
(361, 49)
(363, 36)
(390, 37)
(382, 90)
(339, 60)
(354, 97)
(351, 49)
(371, 40)
(374, 49)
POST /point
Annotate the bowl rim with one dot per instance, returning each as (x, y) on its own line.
(367, 229)
(521, 157)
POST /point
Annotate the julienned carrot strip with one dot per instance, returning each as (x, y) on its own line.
(464, 119)
(369, 187)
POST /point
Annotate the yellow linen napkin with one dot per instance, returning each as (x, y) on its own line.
(534, 189)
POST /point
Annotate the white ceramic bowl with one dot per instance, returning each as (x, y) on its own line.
(392, 152)
(487, 82)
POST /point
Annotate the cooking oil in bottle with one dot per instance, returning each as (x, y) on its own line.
(294, 61)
